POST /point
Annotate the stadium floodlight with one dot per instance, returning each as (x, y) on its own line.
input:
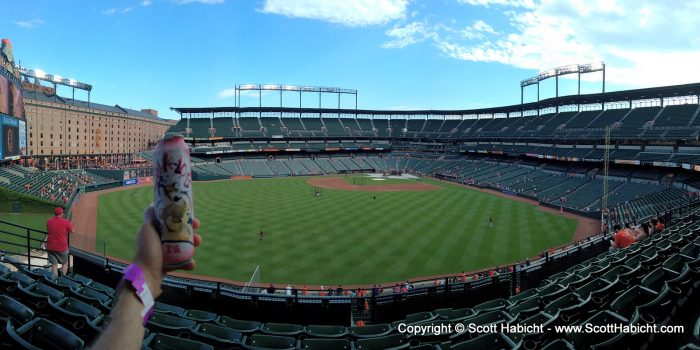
(57, 79)
(39, 73)
(71, 81)
(249, 87)
(290, 88)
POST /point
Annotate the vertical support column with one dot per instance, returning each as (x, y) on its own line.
(556, 89)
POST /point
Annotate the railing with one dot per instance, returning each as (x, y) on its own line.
(23, 242)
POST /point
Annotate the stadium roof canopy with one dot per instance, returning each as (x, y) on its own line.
(587, 99)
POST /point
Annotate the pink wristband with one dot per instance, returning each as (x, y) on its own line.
(135, 275)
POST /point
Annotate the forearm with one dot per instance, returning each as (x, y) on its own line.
(126, 329)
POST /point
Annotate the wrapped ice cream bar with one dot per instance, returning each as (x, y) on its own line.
(173, 201)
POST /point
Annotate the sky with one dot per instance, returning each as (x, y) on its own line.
(398, 54)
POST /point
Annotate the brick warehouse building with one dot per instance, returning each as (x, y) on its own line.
(65, 126)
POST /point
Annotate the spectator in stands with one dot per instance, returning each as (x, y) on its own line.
(623, 238)
(58, 230)
(271, 289)
(660, 226)
(129, 315)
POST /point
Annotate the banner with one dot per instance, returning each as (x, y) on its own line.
(144, 180)
(10, 137)
(131, 182)
(23, 138)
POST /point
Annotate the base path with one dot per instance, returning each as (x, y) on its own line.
(338, 183)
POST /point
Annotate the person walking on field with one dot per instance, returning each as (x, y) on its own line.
(490, 221)
(58, 230)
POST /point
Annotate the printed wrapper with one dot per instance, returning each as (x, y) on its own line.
(173, 201)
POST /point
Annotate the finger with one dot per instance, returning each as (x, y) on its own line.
(195, 223)
(189, 266)
(149, 214)
(197, 239)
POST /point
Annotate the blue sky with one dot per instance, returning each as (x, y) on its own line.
(399, 54)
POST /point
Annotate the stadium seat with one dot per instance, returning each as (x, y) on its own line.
(157, 341)
(419, 317)
(15, 311)
(284, 329)
(75, 315)
(93, 298)
(172, 325)
(585, 340)
(167, 309)
(323, 331)
(63, 284)
(461, 314)
(4, 270)
(656, 279)
(551, 292)
(326, 344)
(393, 341)
(199, 315)
(522, 296)
(489, 341)
(264, 341)
(219, 336)
(12, 280)
(559, 344)
(492, 305)
(40, 333)
(245, 327)
(568, 306)
(38, 295)
(80, 279)
(625, 304)
(370, 331)
(525, 309)
(102, 288)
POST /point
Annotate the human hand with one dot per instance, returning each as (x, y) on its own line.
(149, 252)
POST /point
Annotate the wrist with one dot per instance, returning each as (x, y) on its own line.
(138, 281)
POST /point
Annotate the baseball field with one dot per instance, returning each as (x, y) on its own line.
(354, 235)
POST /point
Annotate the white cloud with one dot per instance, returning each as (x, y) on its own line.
(206, 2)
(114, 11)
(352, 13)
(30, 24)
(509, 3)
(146, 2)
(643, 43)
(409, 34)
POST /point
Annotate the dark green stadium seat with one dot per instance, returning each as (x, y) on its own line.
(285, 329)
(551, 292)
(219, 336)
(92, 297)
(540, 318)
(657, 311)
(393, 341)
(200, 316)
(492, 305)
(39, 273)
(323, 331)
(674, 262)
(15, 311)
(569, 307)
(12, 280)
(625, 304)
(80, 279)
(489, 341)
(168, 309)
(370, 331)
(523, 296)
(559, 344)
(63, 284)
(420, 317)
(525, 309)
(443, 313)
(74, 315)
(326, 344)
(101, 288)
(264, 341)
(40, 333)
(245, 327)
(584, 340)
(39, 294)
(656, 279)
(157, 341)
(172, 325)
(461, 314)
(4, 270)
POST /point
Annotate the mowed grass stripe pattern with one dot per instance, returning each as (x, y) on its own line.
(343, 237)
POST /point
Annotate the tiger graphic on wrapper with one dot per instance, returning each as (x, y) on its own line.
(173, 201)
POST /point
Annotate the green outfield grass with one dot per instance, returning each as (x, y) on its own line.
(364, 180)
(343, 237)
(14, 235)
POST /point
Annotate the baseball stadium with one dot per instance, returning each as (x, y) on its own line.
(337, 227)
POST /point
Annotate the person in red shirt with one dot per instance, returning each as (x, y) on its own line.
(623, 239)
(58, 230)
